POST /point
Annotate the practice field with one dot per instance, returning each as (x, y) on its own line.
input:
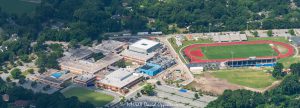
(96, 98)
(237, 51)
(18, 6)
(246, 77)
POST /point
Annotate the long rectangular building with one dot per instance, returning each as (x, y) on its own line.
(120, 80)
(87, 67)
(229, 38)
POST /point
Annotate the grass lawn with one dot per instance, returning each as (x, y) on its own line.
(239, 51)
(96, 98)
(278, 39)
(246, 77)
(25, 73)
(187, 43)
(288, 61)
(17, 6)
(128, 63)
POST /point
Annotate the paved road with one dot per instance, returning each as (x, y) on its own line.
(296, 51)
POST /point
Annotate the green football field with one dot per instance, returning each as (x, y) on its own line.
(238, 51)
(96, 98)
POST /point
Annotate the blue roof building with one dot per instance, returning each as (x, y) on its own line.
(150, 69)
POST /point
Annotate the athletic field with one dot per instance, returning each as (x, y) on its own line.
(221, 52)
(96, 98)
(237, 51)
(246, 77)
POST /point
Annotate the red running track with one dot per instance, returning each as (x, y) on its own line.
(195, 55)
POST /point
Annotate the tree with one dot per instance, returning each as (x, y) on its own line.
(242, 32)
(121, 64)
(277, 72)
(16, 73)
(22, 80)
(138, 95)
(86, 41)
(158, 82)
(48, 60)
(148, 89)
(19, 63)
(196, 96)
(42, 70)
(289, 86)
(255, 34)
(123, 99)
(73, 44)
(295, 69)
(270, 33)
(25, 58)
(98, 56)
(292, 32)
(47, 87)
(31, 71)
(33, 84)
(8, 79)
(238, 99)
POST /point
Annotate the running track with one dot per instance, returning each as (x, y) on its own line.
(196, 58)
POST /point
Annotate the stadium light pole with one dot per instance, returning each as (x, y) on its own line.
(231, 57)
(247, 25)
(209, 27)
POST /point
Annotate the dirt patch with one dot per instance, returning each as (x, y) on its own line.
(281, 49)
(208, 83)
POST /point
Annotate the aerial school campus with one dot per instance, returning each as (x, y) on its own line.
(150, 68)
(176, 67)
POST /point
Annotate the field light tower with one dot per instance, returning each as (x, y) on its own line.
(232, 57)
(247, 25)
(209, 27)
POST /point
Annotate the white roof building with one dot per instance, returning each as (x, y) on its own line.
(121, 78)
(144, 46)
